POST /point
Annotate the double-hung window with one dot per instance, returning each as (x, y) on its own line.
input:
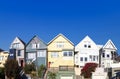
(67, 53)
(54, 54)
(19, 52)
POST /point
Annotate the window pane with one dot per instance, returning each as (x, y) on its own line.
(90, 57)
(70, 53)
(93, 58)
(31, 55)
(108, 55)
(33, 46)
(54, 55)
(19, 52)
(85, 58)
(85, 45)
(65, 54)
(81, 58)
(103, 55)
(89, 46)
(41, 54)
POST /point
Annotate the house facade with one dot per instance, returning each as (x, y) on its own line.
(86, 51)
(3, 58)
(17, 51)
(36, 52)
(108, 54)
(61, 57)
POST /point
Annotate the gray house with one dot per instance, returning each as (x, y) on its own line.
(36, 52)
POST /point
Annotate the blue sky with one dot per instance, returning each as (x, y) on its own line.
(47, 18)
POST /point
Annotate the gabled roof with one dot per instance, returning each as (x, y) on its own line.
(86, 38)
(35, 36)
(19, 40)
(62, 36)
(109, 42)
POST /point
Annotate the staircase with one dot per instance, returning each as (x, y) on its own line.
(99, 74)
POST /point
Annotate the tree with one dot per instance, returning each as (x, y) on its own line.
(41, 71)
(51, 75)
(2, 73)
(11, 67)
(88, 69)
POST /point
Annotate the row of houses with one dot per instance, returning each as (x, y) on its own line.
(60, 55)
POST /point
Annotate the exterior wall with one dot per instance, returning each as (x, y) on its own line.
(60, 40)
(87, 50)
(115, 69)
(17, 46)
(59, 45)
(39, 49)
(3, 58)
(109, 50)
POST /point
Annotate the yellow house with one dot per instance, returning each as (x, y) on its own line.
(60, 52)
(3, 58)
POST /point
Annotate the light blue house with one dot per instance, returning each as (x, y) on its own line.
(36, 52)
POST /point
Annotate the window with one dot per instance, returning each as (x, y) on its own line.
(70, 53)
(97, 58)
(90, 57)
(38, 45)
(93, 58)
(85, 45)
(67, 53)
(41, 54)
(33, 46)
(60, 44)
(81, 58)
(16, 45)
(31, 55)
(19, 52)
(103, 55)
(89, 46)
(11, 54)
(85, 58)
(1, 58)
(108, 55)
(54, 54)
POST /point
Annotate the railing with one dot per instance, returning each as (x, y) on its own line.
(66, 68)
(61, 68)
(53, 69)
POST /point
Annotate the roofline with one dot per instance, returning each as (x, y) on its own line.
(60, 34)
(33, 38)
(108, 42)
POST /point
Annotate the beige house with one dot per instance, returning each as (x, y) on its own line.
(3, 58)
(61, 57)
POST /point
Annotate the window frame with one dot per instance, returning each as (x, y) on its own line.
(54, 54)
(68, 53)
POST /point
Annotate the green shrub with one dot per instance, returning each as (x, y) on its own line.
(29, 68)
(41, 71)
(51, 75)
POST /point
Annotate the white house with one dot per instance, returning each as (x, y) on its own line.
(86, 51)
(17, 51)
(108, 54)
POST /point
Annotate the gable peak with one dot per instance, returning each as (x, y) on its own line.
(111, 45)
(60, 34)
